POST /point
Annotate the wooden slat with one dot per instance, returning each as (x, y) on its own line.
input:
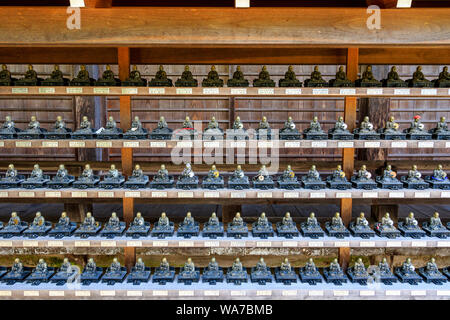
(137, 27)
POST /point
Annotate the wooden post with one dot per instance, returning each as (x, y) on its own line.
(344, 257)
(228, 212)
(127, 153)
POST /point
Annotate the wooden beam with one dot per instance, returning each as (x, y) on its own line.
(141, 27)
(352, 62)
(344, 257)
(98, 3)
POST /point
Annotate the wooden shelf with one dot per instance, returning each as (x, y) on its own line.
(223, 92)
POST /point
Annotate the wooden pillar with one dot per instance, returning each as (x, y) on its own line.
(128, 213)
(84, 106)
(229, 211)
(344, 257)
(77, 211)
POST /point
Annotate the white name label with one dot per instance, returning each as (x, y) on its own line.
(342, 244)
(292, 144)
(160, 243)
(445, 194)
(101, 90)
(157, 144)
(210, 90)
(235, 293)
(396, 194)
(418, 244)
(185, 194)
(421, 194)
(374, 91)
(74, 90)
(26, 194)
(211, 144)
(319, 144)
(212, 244)
(264, 194)
(402, 91)
(19, 90)
(428, 92)
(184, 91)
(264, 292)
(345, 144)
(3, 194)
(103, 144)
(320, 91)
(214, 194)
(160, 292)
(30, 243)
(290, 195)
(266, 91)
(56, 293)
(264, 144)
(132, 194)
(394, 243)
(340, 293)
(129, 90)
(367, 244)
(289, 293)
(106, 194)
(371, 144)
(186, 243)
(77, 144)
(399, 144)
(238, 195)
(293, 91)
(315, 293)
(46, 90)
(53, 194)
(317, 195)
(211, 293)
(184, 144)
(289, 244)
(23, 144)
(107, 293)
(131, 144)
(55, 243)
(50, 144)
(343, 194)
(134, 293)
(186, 293)
(370, 194)
(82, 243)
(31, 293)
(347, 91)
(159, 194)
(84, 293)
(315, 244)
(263, 244)
(366, 293)
(238, 144)
(425, 144)
(134, 243)
(156, 90)
(238, 91)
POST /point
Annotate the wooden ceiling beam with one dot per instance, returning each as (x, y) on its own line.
(150, 27)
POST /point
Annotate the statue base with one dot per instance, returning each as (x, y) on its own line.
(9, 184)
(314, 185)
(361, 232)
(162, 184)
(438, 184)
(264, 134)
(136, 135)
(162, 276)
(392, 136)
(36, 278)
(341, 83)
(86, 184)
(28, 82)
(237, 232)
(391, 233)
(31, 183)
(134, 83)
(186, 83)
(435, 278)
(365, 184)
(368, 84)
(237, 83)
(37, 231)
(283, 83)
(59, 184)
(112, 183)
(137, 277)
(107, 134)
(162, 233)
(111, 278)
(11, 278)
(419, 84)
(446, 272)
(107, 82)
(415, 233)
(187, 184)
(110, 233)
(83, 134)
(55, 83)
(411, 278)
(140, 183)
(366, 136)
(212, 276)
(315, 135)
(136, 232)
(185, 134)
(337, 233)
(335, 278)
(442, 83)
(310, 278)
(213, 232)
(357, 278)
(417, 135)
(88, 277)
(61, 278)
(445, 135)
(388, 278)
(266, 184)
(59, 134)
(286, 278)
(287, 232)
(440, 232)
(237, 134)
(31, 134)
(261, 277)
(7, 82)
(84, 232)
(417, 185)
(338, 184)
(391, 184)
(188, 232)
(9, 133)
(13, 231)
(160, 83)
(212, 83)
(290, 134)
(213, 134)
(161, 134)
(394, 83)
(237, 277)
(262, 233)
(239, 184)
(82, 83)
(316, 84)
(60, 232)
(263, 83)
(289, 184)
(189, 277)
(213, 184)
(311, 232)
(340, 135)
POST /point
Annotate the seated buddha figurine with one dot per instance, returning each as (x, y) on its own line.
(237, 223)
(312, 176)
(63, 221)
(410, 222)
(361, 222)
(213, 131)
(107, 79)
(263, 79)
(340, 127)
(417, 129)
(387, 223)
(5, 77)
(261, 266)
(113, 223)
(441, 132)
(336, 222)
(160, 79)
(384, 267)
(393, 79)
(311, 221)
(316, 79)
(8, 129)
(289, 132)
(359, 269)
(442, 82)
(14, 220)
(418, 80)
(110, 131)
(87, 175)
(341, 79)
(114, 267)
(310, 267)
(30, 78)
(11, 174)
(82, 78)
(431, 267)
(335, 268)
(286, 223)
(435, 222)
(389, 174)
(89, 222)
(391, 126)
(288, 175)
(17, 267)
(314, 129)
(212, 80)
(338, 174)
(56, 78)
(187, 79)
(213, 175)
(414, 175)
(38, 221)
(85, 129)
(134, 79)
(366, 126)
(36, 174)
(41, 267)
(285, 267)
(407, 267)
(138, 222)
(439, 174)
(263, 131)
(367, 79)
(164, 268)
(33, 130)
(91, 266)
(188, 270)
(238, 79)
(236, 268)
(262, 223)
(290, 79)
(162, 174)
(163, 222)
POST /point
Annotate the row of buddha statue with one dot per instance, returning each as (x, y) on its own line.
(213, 273)
(161, 79)
(365, 131)
(237, 228)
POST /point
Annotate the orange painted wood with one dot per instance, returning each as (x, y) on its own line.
(346, 210)
(352, 63)
(98, 3)
(141, 27)
(130, 257)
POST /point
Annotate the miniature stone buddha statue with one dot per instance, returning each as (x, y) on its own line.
(82, 78)
(263, 130)
(112, 173)
(56, 78)
(134, 79)
(137, 173)
(419, 80)
(8, 124)
(41, 267)
(30, 77)
(311, 222)
(310, 267)
(287, 221)
(111, 123)
(186, 80)
(65, 266)
(164, 266)
(384, 268)
(359, 269)
(441, 130)
(439, 174)
(237, 266)
(187, 123)
(238, 173)
(363, 174)
(367, 79)
(139, 266)
(187, 172)
(107, 78)
(237, 124)
(316, 79)
(289, 131)
(431, 267)
(163, 221)
(213, 265)
(17, 267)
(361, 221)
(285, 266)
(11, 173)
(407, 266)
(263, 124)
(113, 222)
(110, 130)
(33, 125)
(386, 221)
(36, 173)
(87, 174)
(442, 82)
(288, 174)
(56, 73)
(85, 123)
(393, 79)
(262, 221)
(63, 220)
(414, 175)
(5, 76)
(138, 220)
(188, 221)
(335, 268)
(160, 79)
(213, 124)
(238, 79)
(62, 173)
(136, 125)
(114, 267)
(410, 221)
(261, 265)
(89, 222)
(340, 125)
(188, 267)
(341, 79)
(263, 174)
(416, 126)
(237, 220)
(388, 174)
(336, 222)
(391, 126)
(162, 123)
(213, 79)
(338, 174)
(38, 220)
(213, 220)
(14, 220)
(213, 173)
(91, 266)
(83, 74)
(263, 79)
(366, 126)
(60, 125)
(313, 174)
(290, 79)
(435, 221)
(162, 174)
(314, 126)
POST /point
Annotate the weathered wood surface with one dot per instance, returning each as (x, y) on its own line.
(223, 26)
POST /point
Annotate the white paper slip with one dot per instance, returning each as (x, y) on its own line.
(345, 144)
(101, 90)
(315, 293)
(132, 194)
(184, 91)
(445, 194)
(263, 244)
(396, 194)
(290, 195)
(264, 194)
(315, 244)
(185, 243)
(289, 244)
(443, 293)
(237, 293)
(367, 243)
(425, 144)
(106, 194)
(79, 194)
(399, 144)
(293, 91)
(160, 293)
(402, 92)
(4, 194)
(320, 91)
(53, 293)
(366, 293)
(185, 194)
(159, 194)
(211, 293)
(157, 144)
(107, 293)
(77, 144)
(238, 144)
(428, 92)
(340, 293)
(343, 194)
(5, 243)
(418, 243)
(319, 144)
(108, 244)
(31, 293)
(129, 90)
(210, 90)
(238, 91)
(264, 144)
(19, 90)
(156, 90)
(55, 243)
(292, 144)
(30, 243)
(26, 194)
(134, 243)
(52, 194)
(209, 244)
(418, 293)
(160, 243)
(211, 144)
(342, 244)
(84, 293)
(393, 292)
(2, 144)
(374, 91)
(237, 243)
(5, 293)
(447, 144)
(425, 194)
(131, 144)
(266, 91)
(289, 293)
(74, 90)
(371, 144)
(23, 144)
(50, 144)
(317, 195)
(103, 144)
(347, 91)
(238, 195)
(82, 244)
(443, 243)
(393, 243)
(211, 194)
(184, 144)
(264, 292)
(370, 194)
(186, 293)
(134, 293)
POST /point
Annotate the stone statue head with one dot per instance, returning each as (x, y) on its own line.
(188, 215)
(85, 118)
(237, 260)
(16, 260)
(340, 119)
(87, 167)
(30, 67)
(341, 69)
(164, 260)
(188, 165)
(263, 215)
(189, 260)
(414, 167)
(187, 118)
(388, 167)
(386, 215)
(137, 167)
(113, 167)
(391, 118)
(312, 215)
(363, 167)
(394, 69)
(445, 69)
(66, 260)
(287, 214)
(33, 118)
(111, 118)
(136, 118)
(61, 167)
(411, 215)
(384, 260)
(264, 68)
(419, 68)
(56, 67)
(4, 67)
(238, 167)
(442, 119)
(288, 167)
(339, 167)
(36, 166)
(213, 167)
(8, 118)
(59, 118)
(238, 118)
(286, 260)
(63, 214)
(366, 119)
(261, 259)
(13, 214)
(337, 215)
(238, 214)
(186, 68)
(335, 260)
(315, 119)
(140, 260)
(38, 214)
(361, 215)
(408, 260)
(263, 167)
(108, 67)
(163, 215)
(113, 215)
(83, 67)
(138, 215)
(316, 68)
(213, 68)
(115, 260)
(369, 68)
(162, 118)
(359, 260)
(433, 260)
(213, 215)
(289, 119)
(11, 166)
(313, 167)
(134, 67)
(163, 167)
(238, 68)
(264, 119)
(439, 167)
(290, 68)
(88, 215)
(213, 119)
(41, 261)
(213, 260)
(436, 215)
